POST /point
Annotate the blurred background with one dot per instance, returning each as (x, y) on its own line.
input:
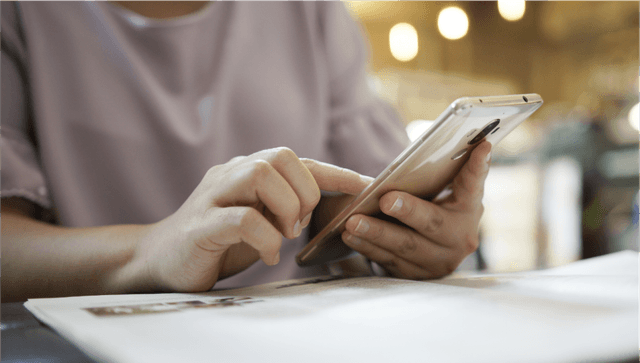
(564, 184)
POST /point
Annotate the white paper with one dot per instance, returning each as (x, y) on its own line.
(587, 311)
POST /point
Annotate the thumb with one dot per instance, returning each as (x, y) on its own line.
(468, 185)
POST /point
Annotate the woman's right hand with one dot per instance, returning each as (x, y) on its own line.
(237, 214)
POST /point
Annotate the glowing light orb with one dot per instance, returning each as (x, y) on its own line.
(511, 10)
(634, 117)
(403, 41)
(453, 23)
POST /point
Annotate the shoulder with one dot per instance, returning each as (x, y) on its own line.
(11, 29)
(8, 15)
(9, 12)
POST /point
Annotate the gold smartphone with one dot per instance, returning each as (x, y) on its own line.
(427, 166)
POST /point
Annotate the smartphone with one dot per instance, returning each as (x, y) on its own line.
(427, 166)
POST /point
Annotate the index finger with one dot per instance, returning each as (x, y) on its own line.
(332, 178)
(287, 163)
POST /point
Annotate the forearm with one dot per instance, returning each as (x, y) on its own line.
(44, 260)
(217, 232)
(40, 259)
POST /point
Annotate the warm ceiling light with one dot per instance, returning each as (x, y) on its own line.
(512, 10)
(634, 117)
(453, 23)
(403, 41)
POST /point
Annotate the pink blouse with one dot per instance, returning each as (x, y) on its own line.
(109, 117)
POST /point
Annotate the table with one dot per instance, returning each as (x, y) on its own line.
(25, 339)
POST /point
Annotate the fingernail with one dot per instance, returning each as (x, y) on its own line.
(353, 240)
(297, 229)
(306, 220)
(276, 259)
(397, 205)
(488, 157)
(362, 226)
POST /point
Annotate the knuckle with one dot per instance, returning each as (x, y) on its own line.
(449, 268)
(309, 199)
(468, 177)
(375, 233)
(408, 245)
(308, 204)
(475, 168)
(274, 244)
(470, 243)
(212, 171)
(293, 210)
(248, 218)
(316, 197)
(465, 179)
(433, 223)
(310, 164)
(480, 211)
(250, 225)
(236, 159)
(389, 262)
(260, 170)
(284, 154)
(445, 268)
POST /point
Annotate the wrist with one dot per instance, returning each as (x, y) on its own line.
(136, 273)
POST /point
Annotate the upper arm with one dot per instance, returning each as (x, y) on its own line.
(346, 54)
(366, 132)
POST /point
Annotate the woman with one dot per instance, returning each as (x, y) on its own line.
(122, 129)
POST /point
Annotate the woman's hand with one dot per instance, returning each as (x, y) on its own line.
(435, 237)
(237, 214)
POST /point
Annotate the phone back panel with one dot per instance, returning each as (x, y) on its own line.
(429, 164)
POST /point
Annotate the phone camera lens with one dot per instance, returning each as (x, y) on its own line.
(486, 131)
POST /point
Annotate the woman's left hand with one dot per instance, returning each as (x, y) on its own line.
(436, 236)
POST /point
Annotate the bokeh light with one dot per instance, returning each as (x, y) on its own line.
(634, 117)
(511, 10)
(403, 41)
(453, 23)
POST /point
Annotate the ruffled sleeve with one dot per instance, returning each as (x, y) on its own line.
(22, 174)
(366, 133)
